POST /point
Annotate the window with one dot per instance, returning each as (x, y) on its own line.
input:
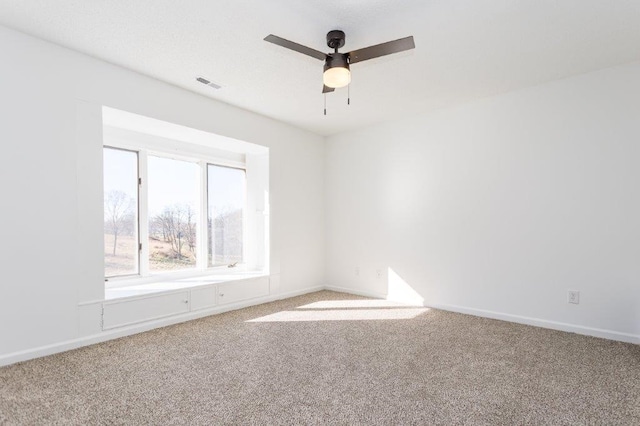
(226, 199)
(120, 212)
(188, 213)
(173, 213)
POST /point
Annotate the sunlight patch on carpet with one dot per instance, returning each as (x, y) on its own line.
(343, 315)
(354, 304)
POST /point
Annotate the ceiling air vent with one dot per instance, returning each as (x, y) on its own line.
(208, 83)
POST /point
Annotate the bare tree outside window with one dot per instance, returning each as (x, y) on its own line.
(176, 226)
(119, 215)
(173, 195)
(120, 212)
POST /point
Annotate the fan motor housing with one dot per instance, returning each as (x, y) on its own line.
(336, 60)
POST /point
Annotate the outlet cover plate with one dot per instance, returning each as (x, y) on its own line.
(573, 297)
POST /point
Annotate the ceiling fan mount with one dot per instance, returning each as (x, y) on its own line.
(336, 39)
(337, 71)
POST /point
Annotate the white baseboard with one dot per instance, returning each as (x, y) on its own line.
(537, 322)
(150, 325)
(142, 327)
(355, 292)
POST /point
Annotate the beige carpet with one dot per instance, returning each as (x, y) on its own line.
(298, 361)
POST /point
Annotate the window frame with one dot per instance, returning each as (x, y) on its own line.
(206, 212)
(136, 223)
(142, 224)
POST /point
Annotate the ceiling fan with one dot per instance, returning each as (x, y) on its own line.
(336, 65)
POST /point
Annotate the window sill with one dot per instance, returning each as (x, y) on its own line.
(163, 285)
(178, 275)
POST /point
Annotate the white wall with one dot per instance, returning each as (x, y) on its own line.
(51, 255)
(501, 205)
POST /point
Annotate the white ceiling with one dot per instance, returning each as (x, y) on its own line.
(464, 49)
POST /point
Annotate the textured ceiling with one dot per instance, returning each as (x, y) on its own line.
(464, 49)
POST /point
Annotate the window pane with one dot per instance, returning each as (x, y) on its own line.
(226, 199)
(173, 206)
(120, 212)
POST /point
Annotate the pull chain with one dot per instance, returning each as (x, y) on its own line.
(325, 104)
(349, 94)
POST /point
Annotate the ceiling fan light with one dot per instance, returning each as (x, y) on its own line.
(336, 77)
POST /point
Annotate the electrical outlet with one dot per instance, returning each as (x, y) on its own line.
(357, 271)
(379, 273)
(573, 297)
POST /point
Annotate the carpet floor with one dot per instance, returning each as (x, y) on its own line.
(331, 358)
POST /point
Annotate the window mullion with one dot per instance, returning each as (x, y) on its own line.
(202, 231)
(143, 221)
(245, 220)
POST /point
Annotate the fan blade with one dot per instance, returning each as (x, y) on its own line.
(382, 49)
(327, 89)
(295, 46)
